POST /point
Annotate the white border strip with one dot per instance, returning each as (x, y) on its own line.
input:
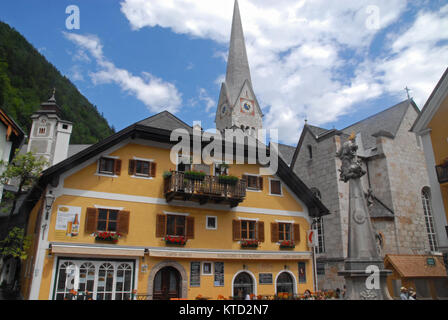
(161, 201)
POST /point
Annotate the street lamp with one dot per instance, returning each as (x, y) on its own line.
(49, 199)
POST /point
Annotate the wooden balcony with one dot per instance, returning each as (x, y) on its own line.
(208, 189)
(442, 173)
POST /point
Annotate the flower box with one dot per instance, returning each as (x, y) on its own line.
(249, 243)
(194, 175)
(230, 180)
(167, 174)
(287, 244)
(107, 236)
(175, 240)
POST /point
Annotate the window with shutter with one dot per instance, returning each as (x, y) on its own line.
(274, 232)
(117, 167)
(123, 222)
(107, 220)
(260, 231)
(249, 229)
(142, 168)
(275, 187)
(153, 169)
(108, 166)
(190, 228)
(236, 226)
(253, 182)
(131, 167)
(91, 220)
(175, 225)
(296, 230)
(161, 226)
(284, 231)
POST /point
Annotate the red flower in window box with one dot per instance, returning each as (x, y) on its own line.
(288, 244)
(178, 240)
(107, 236)
(249, 243)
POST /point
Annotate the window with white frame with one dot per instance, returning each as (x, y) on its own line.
(211, 223)
(275, 187)
(207, 268)
(94, 279)
(320, 235)
(427, 210)
(319, 225)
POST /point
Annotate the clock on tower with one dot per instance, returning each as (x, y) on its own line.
(247, 106)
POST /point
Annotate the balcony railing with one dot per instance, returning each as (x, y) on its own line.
(442, 173)
(206, 189)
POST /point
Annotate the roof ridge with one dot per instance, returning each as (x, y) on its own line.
(167, 113)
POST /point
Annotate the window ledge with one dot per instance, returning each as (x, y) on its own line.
(142, 177)
(105, 175)
(276, 195)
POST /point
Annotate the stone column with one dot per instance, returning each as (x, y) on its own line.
(364, 272)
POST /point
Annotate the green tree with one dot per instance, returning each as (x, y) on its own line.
(23, 171)
(15, 244)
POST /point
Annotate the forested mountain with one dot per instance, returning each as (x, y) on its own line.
(27, 79)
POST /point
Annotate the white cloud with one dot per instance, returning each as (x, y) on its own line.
(296, 51)
(204, 97)
(418, 62)
(155, 93)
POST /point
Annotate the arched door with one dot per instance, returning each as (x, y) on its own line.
(285, 283)
(243, 285)
(166, 284)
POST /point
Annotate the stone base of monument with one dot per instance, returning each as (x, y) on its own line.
(365, 280)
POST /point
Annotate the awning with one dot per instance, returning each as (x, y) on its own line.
(227, 254)
(417, 266)
(97, 251)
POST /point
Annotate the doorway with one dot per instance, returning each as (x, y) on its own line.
(166, 284)
(243, 285)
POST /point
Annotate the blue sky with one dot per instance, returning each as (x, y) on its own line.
(331, 62)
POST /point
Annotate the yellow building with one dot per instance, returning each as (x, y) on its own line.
(122, 217)
(431, 127)
(127, 185)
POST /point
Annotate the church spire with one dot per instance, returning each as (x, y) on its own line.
(238, 106)
(237, 62)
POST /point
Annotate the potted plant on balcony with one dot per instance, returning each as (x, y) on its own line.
(194, 175)
(287, 244)
(107, 236)
(167, 174)
(230, 180)
(249, 243)
(175, 240)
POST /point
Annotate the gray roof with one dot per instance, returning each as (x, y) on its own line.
(385, 123)
(165, 120)
(286, 152)
(317, 131)
(75, 148)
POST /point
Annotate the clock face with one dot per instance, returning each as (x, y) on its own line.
(224, 110)
(247, 106)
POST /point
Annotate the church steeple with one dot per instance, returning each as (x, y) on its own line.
(238, 106)
(237, 63)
